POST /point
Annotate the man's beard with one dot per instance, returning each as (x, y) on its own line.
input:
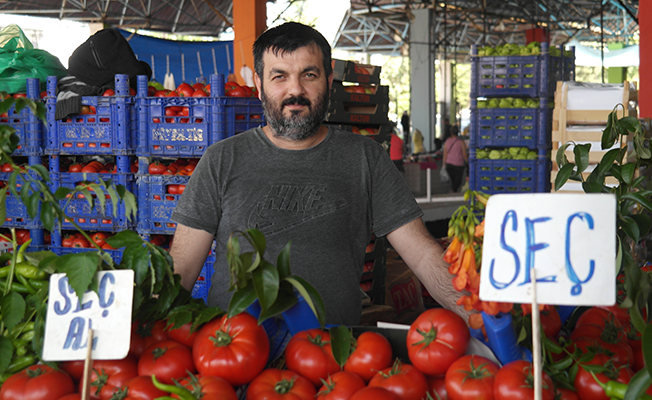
(295, 127)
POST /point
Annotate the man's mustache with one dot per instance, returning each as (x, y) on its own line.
(296, 100)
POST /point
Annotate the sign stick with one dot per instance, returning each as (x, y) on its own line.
(88, 367)
(536, 338)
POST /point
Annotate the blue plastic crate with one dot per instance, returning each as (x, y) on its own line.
(80, 211)
(57, 248)
(510, 176)
(28, 126)
(155, 204)
(534, 76)
(40, 241)
(208, 120)
(111, 130)
(511, 127)
(17, 216)
(203, 283)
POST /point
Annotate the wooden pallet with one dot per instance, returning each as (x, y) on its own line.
(586, 126)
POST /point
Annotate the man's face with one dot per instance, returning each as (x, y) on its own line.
(294, 92)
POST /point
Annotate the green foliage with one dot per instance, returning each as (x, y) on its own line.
(275, 288)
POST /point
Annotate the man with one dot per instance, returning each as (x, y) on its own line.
(323, 189)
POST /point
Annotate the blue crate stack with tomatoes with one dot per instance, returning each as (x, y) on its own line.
(174, 130)
(512, 91)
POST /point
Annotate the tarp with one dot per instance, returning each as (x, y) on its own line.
(590, 57)
(180, 57)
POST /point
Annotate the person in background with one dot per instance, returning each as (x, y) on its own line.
(296, 180)
(455, 158)
(405, 124)
(396, 151)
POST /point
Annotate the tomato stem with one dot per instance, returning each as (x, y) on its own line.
(284, 386)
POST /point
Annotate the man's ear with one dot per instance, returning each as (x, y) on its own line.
(330, 80)
(257, 82)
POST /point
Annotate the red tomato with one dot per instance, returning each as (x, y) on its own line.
(185, 90)
(161, 93)
(586, 386)
(7, 167)
(156, 168)
(159, 240)
(74, 368)
(405, 380)
(372, 353)
(109, 375)
(145, 335)
(182, 334)
(209, 388)
(167, 360)
(237, 92)
(235, 349)
(109, 92)
(173, 189)
(37, 382)
(277, 384)
(309, 354)
(340, 386)
(98, 238)
(141, 388)
(230, 85)
(181, 189)
(550, 322)
(199, 93)
(514, 381)
(80, 242)
(198, 85)
(437, 338)
(471, 377)
(437, 388)
(635, 345)
(374, 393)
(598, 317)
(566, 394)
(619, 352)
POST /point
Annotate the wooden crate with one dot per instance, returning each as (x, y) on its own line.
(586, 126)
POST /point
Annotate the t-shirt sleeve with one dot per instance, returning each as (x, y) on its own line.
(392, 201)
(199, 205)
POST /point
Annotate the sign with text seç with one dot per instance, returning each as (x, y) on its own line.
(569, 239)
(107, 312)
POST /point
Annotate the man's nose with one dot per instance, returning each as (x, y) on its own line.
(295, 86)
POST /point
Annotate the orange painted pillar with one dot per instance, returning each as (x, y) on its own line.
(645, 59)
(249, 21)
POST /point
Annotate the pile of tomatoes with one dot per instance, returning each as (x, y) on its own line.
(180, 166)
(77, 240)
(95, 167)
(233, 89)
(22, 236)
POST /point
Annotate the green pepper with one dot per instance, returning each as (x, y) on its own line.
(27, 335)
(4, 271)
(22, 328)
(616, 390)
(20, 363)
(21, 251)
(15, 286)
(25, 283)
(39, 284)
(182, 392)
(21, 351)
(29, 271)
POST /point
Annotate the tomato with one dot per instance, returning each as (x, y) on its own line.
(181, 189)
(167, 360)
(471, 377)
(437, 388)
(198, 85)
(230, 85)
(37, 382)
(372, 353)
(374, 393)
(85, 110)
(566, 394)
(71, 396)
(90, 168)
(75, 168)
(340, 386)
(635, 345)
(7, 167)
(550, 322)
(199, 93)
(209, 388)
(156, 168)
(515, 381)
(598, 317)
(182, 334)
(159, 240)
(235, 348)
(80, 242)
(277, 384)
(74, 368)
(585, 384)
(619, 352)
(161, 93)
(404, 380)
(109, 92)
(309, 354)
(185, 90)
(99, 238)
(140, 388)
(173, 189)
(145, 335)
(109, 375)
(237, 92)
(437, 338)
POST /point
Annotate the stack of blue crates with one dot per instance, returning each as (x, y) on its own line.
(525, 77)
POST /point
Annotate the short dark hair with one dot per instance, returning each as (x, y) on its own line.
(287, 38)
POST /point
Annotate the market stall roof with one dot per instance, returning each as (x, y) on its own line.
(371, 26)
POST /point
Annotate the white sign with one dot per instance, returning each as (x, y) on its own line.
(570, 239)
(109, 315)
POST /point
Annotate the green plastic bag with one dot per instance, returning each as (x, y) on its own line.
(19, 60)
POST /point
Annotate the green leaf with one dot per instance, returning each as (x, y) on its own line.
(13, 309)
(100, 197)
(87, 195)
(266, 282)
(638, 198)
(124, 239)
(161, 268)
(631, 124)
(311, 296)
(80, 269)
(581, 152)
(560, 157)
(33, 204)
(24, 194)
(205, 315)
(646, 347)
(607, 161)
(563, 175)
(258, 240)
(283, 302)
(283, 262)
(592, 187)
(42, 171)
(341, 338)
(241, 299)
(644, 223)
(136, 257)
(6, 353)
(628, 225)
(62, 192)
(639, 383)
(48, 216)
(131, 206)
(628, 172)
(3, 206)
(12, 183)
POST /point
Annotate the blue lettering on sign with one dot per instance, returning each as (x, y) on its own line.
(517, 263)
(533, 247)
(107, 279)
(75, 336)
(64, 290)
(570, 271)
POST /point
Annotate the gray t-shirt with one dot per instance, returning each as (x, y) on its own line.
(327, 200)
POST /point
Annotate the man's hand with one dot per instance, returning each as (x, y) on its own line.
(189, 250)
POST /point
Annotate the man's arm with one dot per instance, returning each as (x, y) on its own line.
(189, 250)
(423, 255)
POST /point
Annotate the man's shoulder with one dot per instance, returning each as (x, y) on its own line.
(242, 138)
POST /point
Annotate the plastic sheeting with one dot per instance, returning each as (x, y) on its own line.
(590, 57)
